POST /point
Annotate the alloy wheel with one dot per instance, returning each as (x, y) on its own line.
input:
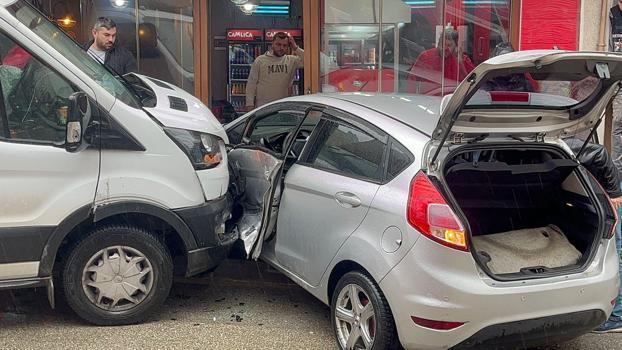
(355, 318)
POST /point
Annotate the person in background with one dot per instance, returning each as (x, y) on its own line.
(597, 161)
(272, 73)
(105, 49)
(446, 58)
(614, 323)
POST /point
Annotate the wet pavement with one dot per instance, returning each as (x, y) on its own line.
(239, 306)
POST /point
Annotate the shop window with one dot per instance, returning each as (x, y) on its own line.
(165, 35)
(159, 34)
(425, 47)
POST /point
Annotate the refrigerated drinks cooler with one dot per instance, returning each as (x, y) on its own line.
(244, 46)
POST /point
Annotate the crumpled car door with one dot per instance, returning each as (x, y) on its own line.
(261, 172)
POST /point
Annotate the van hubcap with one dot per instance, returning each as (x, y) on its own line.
(355, 318)
(117, 278)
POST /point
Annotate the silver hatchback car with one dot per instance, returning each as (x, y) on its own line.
(429, 222)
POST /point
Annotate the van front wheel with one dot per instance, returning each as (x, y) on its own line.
(117, 275)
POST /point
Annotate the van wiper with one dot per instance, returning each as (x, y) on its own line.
(130, 87)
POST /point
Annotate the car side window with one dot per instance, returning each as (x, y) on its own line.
(399, 159)
(275, 125)
(35, 97)
(347, 150)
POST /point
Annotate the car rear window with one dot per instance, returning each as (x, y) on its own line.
(555, 86)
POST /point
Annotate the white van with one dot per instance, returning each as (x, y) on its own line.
(109, 186)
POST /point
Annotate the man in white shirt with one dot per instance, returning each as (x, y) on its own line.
(272, 73)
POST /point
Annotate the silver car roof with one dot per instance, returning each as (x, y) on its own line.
(418, 111)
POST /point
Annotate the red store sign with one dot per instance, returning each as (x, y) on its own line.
(296, 33)
(244, 34)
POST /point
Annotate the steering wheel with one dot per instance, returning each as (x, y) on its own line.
(274, 142)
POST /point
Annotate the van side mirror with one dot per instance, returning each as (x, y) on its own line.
(76, 116)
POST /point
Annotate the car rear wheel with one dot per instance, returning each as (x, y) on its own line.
(117, 275)
(361, 316)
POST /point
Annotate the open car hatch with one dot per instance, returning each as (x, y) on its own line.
(533, 95)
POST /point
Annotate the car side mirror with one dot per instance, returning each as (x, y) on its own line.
(76, 116)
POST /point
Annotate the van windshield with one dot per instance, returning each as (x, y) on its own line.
(60, 41)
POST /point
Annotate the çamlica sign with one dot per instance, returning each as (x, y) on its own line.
(244, 34)
(296, 33)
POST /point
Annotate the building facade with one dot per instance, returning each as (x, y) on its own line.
(207, 46)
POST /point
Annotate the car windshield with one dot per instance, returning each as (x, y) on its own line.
(60, 41)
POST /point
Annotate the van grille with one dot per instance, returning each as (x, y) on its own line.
(178, 103)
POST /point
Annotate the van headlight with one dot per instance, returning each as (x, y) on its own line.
(204, 150)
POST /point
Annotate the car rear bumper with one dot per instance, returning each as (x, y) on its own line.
(436, 283)
(534, 332)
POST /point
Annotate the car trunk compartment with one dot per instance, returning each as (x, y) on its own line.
(529, 213)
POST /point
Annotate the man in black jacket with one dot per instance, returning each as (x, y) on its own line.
(597, 161)
(105, 49)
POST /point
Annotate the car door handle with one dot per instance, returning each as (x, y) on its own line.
(347, 199)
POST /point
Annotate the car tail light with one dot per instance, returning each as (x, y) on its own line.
(430, 214)
(610, 231)
(439, 325)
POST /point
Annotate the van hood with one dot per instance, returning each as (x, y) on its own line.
(177, 108)
(479, 109)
